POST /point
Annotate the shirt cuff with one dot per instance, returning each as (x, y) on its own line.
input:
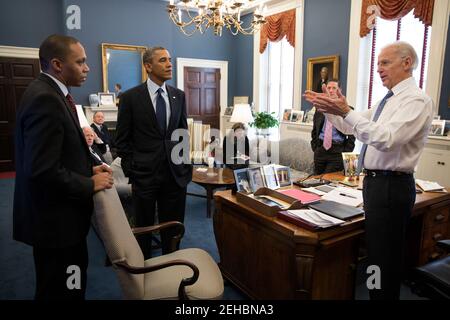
(351, 118)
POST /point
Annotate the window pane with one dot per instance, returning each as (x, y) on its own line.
(287, 72)
(274, 75)
(413, 31)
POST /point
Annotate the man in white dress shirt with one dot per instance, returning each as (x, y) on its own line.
(394, 133)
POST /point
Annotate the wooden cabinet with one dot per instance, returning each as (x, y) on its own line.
(434, 163)
(435, 227)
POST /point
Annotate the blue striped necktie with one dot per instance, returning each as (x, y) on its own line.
(375, 118)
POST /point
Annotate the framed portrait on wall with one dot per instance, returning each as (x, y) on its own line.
(325, 64)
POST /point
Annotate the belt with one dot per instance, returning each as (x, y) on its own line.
(334, 143)
(374, 173)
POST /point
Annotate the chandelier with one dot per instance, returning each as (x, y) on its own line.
(199, 15)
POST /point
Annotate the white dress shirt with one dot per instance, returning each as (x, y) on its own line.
(152, 90)
(61, 85)
(395, 142)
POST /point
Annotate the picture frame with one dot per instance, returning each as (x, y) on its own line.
(106, 98)
(437, 128)
(283, 175)
(228, 111)
(240, 100)
(241, 180)
(256, 179)
(287, 115)
(297, 116)
(350, 161)
(270, 177)
(313, 70)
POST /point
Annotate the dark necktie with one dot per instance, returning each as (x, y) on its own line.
(72, 105)
(161, 115)
(375, 118)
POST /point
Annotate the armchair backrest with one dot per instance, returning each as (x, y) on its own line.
(119, 241)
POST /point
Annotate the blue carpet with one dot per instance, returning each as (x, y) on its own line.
(17, 278)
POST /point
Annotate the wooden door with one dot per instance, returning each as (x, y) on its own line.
(15, 75)
(202, 89)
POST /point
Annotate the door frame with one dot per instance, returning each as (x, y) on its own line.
(19, 52)
(201, 63)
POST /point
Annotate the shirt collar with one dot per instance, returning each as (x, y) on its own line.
(153, 87)
(61, 85)
(403, 85)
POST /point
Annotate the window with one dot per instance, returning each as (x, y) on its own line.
(277, 77)
(407, 29)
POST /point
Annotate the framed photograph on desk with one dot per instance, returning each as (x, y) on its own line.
(107, 98)
(437, 128)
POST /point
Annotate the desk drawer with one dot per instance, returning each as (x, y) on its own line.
(436, 233)
(437, 215)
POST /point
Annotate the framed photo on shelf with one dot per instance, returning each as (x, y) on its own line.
(297, 116)
(241, 179)
(107, 98)
(287, 114)
(228, 111)
(255, 178)
(437, 128)
(314, 67)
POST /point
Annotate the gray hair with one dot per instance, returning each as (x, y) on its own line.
(404, 49)
(149, 53)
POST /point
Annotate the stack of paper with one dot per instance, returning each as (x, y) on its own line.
(303, 196)
(429, 185)
(348, 196)
(314, 218)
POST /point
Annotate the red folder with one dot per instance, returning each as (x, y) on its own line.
(304, 197)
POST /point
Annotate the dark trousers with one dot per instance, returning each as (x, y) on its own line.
(54, 278)
(161, 191)
(326, 161)
(388, 204)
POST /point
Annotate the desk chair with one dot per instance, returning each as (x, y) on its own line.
(182, 274)
(433, 279)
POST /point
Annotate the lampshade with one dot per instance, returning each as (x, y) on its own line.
(242, 113)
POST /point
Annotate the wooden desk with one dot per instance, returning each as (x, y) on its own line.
(269, 258)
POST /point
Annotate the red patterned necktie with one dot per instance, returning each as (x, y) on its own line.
(327, 137)
(72, 105)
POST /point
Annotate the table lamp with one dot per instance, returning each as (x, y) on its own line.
(242, 113)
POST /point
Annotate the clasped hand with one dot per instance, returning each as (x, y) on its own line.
(325, 103)
(102, 177)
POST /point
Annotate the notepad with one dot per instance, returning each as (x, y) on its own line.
(429, 185)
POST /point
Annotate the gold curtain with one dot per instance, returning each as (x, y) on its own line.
(396, 9)
(278, 26)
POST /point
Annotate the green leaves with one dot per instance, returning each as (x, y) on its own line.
(265, 120)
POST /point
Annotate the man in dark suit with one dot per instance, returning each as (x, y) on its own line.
(55, 178)
(148, 115)
(106, 144)
(96, 155)
(327, 142)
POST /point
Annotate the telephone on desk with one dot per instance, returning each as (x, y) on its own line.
(314, 182)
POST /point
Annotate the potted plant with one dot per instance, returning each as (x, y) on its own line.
(263, 121)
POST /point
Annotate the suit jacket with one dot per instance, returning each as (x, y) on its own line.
(318, 122)
(105, 136)
(95, 160)
(53, 190)
(140, 141)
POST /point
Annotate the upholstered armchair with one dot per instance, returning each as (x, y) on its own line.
(182, 274)
(296, 153)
